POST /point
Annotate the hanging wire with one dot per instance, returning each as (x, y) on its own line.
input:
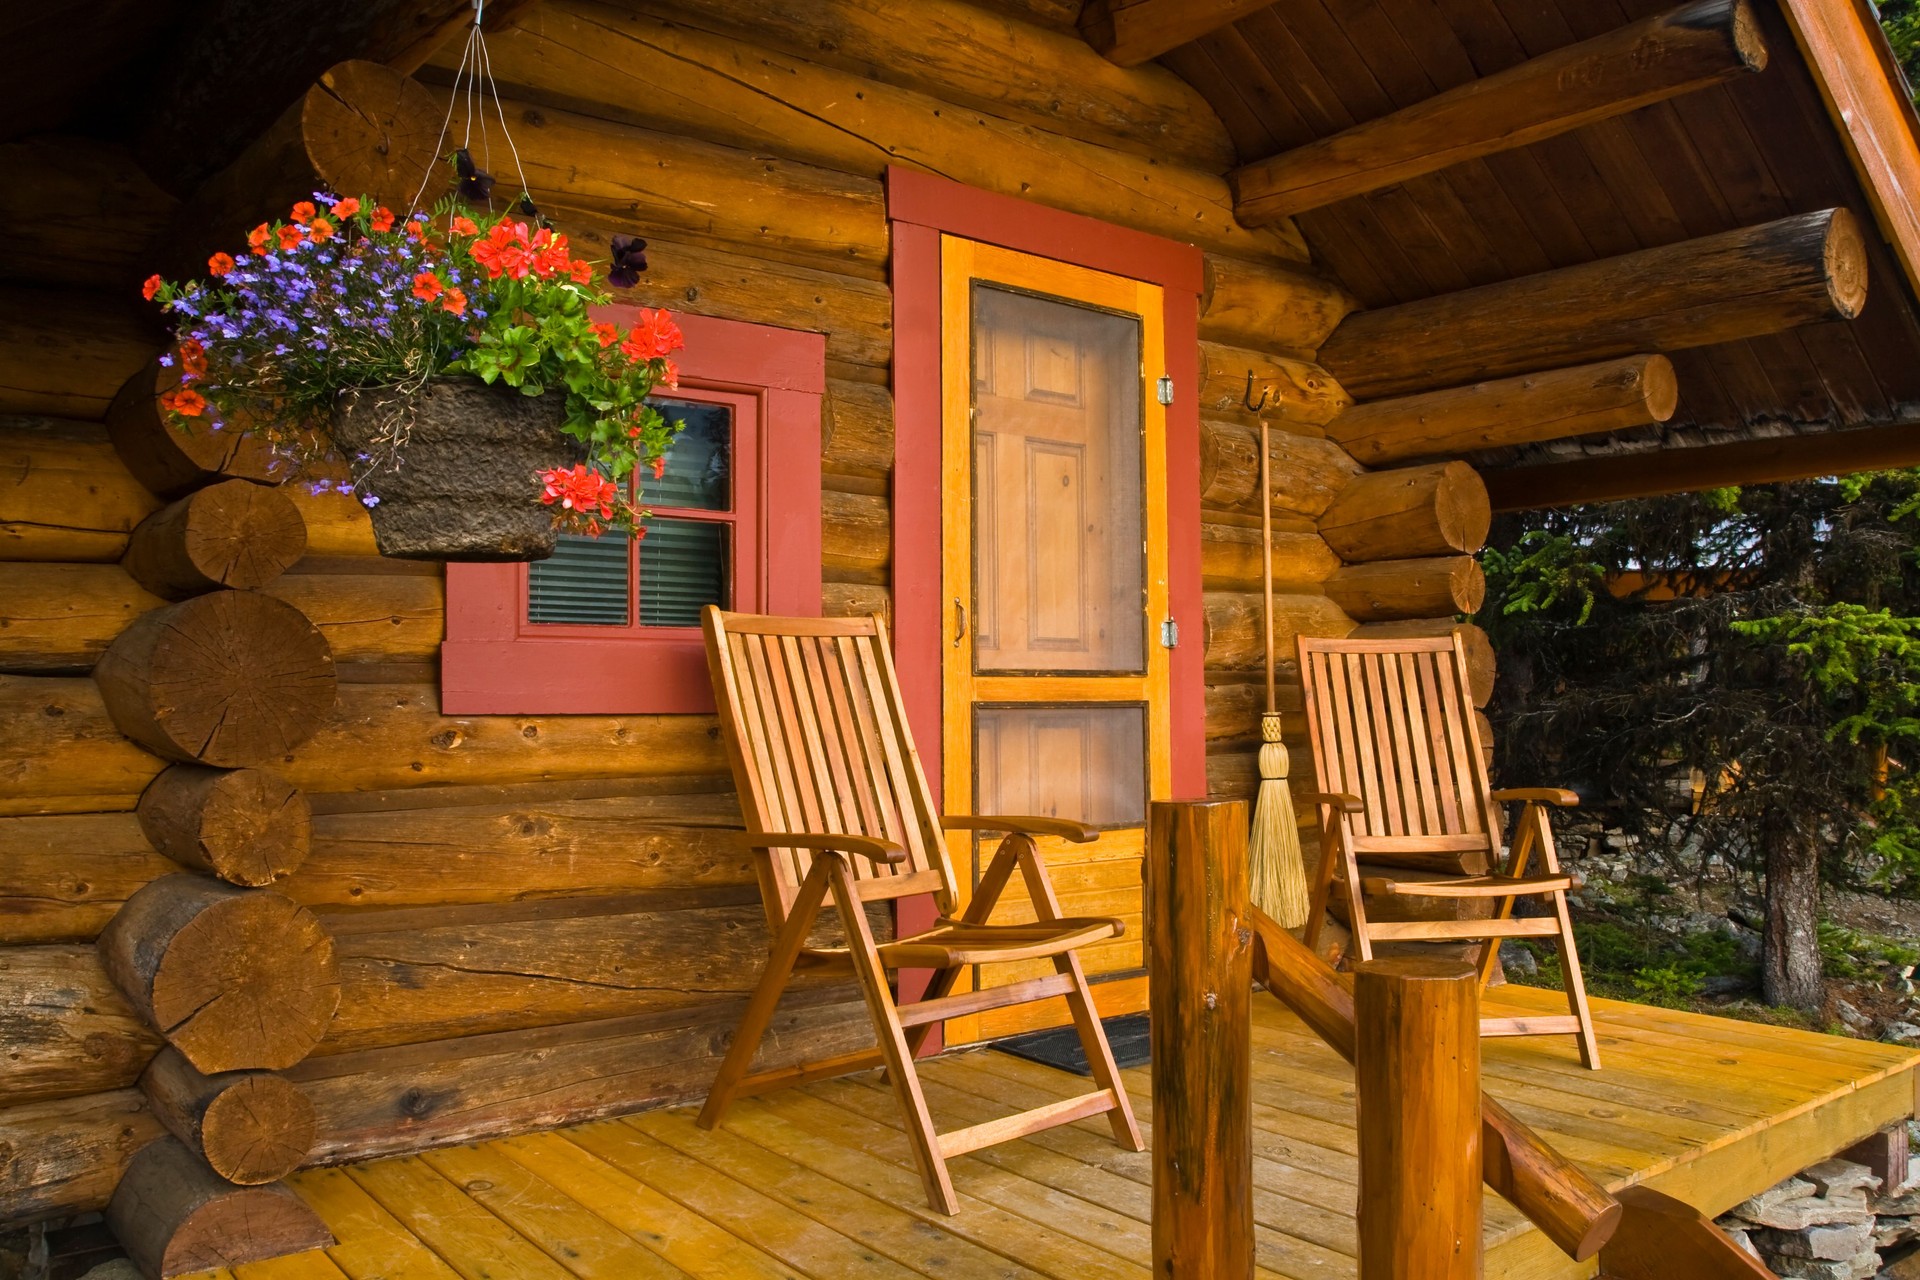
(475, 65)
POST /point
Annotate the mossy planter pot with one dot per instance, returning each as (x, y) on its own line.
(462, 485)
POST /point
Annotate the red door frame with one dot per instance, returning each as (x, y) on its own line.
(920, 209)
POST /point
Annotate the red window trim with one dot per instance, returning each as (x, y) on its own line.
(494, 662)
(921, 208)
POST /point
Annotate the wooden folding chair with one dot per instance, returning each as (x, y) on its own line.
(1397, 752)
(836, 803)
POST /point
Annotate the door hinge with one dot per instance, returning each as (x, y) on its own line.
(1169, 634)
(1165, 389)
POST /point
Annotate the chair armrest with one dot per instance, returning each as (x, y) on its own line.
(1557, 796)
(1340, 800)
(866, 846)
(1078, 832)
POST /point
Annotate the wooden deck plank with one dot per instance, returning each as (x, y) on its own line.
(313, 1265)
(565, 1230)
(655, 1220)
(468, 1238)
(371, 1244)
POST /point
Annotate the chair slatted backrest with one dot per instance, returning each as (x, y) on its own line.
(816, 731)
(1391, 721)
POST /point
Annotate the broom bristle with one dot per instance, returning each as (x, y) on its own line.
(1279, 880)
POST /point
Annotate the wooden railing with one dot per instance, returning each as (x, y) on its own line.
(1412, 1029)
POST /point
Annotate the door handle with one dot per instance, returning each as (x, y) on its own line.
(959, 622)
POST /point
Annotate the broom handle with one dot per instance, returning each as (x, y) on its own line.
(1266, 556)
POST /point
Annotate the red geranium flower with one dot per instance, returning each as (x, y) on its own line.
(290, 236)
(185, 401)
(382, 219)
(152, 286)
(303, 212)
(427, 286)
(653, 335)
(455, 301)
(220, 263)
(581, 491)
(346, 208)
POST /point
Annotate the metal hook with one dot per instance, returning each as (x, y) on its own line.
(479, 8)
(1266, 395)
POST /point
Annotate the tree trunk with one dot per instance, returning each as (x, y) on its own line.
(1790, 949)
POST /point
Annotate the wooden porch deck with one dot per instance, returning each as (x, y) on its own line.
(817, 1182)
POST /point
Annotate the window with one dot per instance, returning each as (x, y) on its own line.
(611, 625)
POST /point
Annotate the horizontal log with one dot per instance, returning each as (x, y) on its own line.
(1432, 510)
(77, 213)
(235, 979)
(175, 1215)
(856, 537)
(174, 458)
(232, 534)
(1131, 32)
(337, 525)
(951, 50)
(64, 876)
(858, 435)
(66, 353)
(250, 1127)
(661, 73)
(389, 1101)
(1738, 284)
(66, 1157)
(1234, 711)
(855, 599)
(1482, 665)
(1589, 399)
(64, 493)
(71, 759)
(1692, 47)
(1269, 307)
(66, 1027)
(244, 826)
(1230, 559)
(1299, 395)
(374, 617)
(1234, 638)
(233, 678)
(1385, 590)
(1306, 473)
(61, 617)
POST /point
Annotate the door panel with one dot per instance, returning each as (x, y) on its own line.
(1054, 523)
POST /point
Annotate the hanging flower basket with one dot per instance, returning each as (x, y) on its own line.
(461, 486)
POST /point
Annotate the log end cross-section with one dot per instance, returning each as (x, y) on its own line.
(234, 678)
(232, 534)
(235, 979)
(174, 459)
(174, 1216)
(247, 826)
(252, 1127)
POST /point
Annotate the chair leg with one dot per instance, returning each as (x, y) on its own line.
(1093, 1043)
(985, 896)
(766, 996)
(1576, 985)
(1321, 900)
(1356, 904)
(872, 976)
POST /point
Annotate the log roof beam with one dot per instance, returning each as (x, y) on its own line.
(1130, 32)
(1744, 283)
(1699, 44)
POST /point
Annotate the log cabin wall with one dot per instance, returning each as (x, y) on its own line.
(534, 918)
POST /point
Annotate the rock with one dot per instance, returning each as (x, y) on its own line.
(1518, 961)
(118, 1269)
(1725, 984)
(1846, 1209)
(1860, 1268)
(1901, 1033)
(1740, 1237)
(1836, 1242)
(1833, 1176)
(1891, 1233)
(1851, 1016)
(1778, 1193)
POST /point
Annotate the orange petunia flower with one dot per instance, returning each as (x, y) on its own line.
(382, 219)
(346, 208)
(185, 401)
(455, 302)
(427, 286)
(581, 270)
(258, 238)
(607, 333)
(462, 226)
(290, 236)
(220, 263)
(193, 357)
(303, 212)
(322, 230)
(151, 287)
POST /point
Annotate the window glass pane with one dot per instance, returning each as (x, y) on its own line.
(1086, 763)
(583, 582)
(1059, 566)
(700, 463)
(683, 567)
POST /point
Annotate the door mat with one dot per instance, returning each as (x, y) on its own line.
(1060, 1046)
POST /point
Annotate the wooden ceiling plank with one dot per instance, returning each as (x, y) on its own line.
(1130, 32)
(1702, 43)
(1246, 124)
(1713, 289)
(1347, 257)
(1851, 386)
(1702, 398)
(1643, 475)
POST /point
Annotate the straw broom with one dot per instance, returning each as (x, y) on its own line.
(1279, 878)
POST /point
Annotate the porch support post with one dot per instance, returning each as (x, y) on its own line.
(1200, 982)
(1417, 1084)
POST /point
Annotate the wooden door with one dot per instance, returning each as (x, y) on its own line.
(1055, 578)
